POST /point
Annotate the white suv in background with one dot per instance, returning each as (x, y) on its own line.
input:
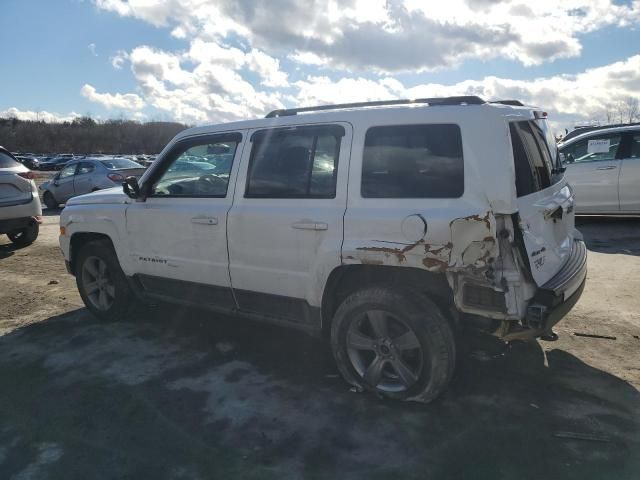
(603, 166)
(20, 209)
(386, 225)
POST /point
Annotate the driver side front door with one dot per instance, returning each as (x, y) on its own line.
(178, 235)
(64, 183)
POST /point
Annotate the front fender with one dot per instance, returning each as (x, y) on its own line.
(108, 220)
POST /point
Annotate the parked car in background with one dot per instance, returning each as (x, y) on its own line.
(385, 226)
(31, 163)
(20, 210)
(603, 167)
(57, 162)
(87, 175)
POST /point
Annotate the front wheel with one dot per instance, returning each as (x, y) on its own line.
(395, 343)
(101, 282)
(25, 236)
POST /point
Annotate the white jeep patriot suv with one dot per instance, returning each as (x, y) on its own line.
(387, 225)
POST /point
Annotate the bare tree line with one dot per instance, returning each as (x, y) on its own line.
(623, 111)
(85, 135)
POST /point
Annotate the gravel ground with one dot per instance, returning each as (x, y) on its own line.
(185, 394)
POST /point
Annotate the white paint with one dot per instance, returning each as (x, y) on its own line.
(271, 250)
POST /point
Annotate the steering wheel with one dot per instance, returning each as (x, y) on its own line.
(213, 180)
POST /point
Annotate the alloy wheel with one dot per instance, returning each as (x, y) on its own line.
(97, 283)
(384, 351)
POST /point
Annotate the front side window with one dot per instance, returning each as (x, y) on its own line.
(68, 171)
(200, 167)
(593, 149)
(297, 162)
(413, 161)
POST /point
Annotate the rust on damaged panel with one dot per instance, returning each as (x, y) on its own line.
(473, 245)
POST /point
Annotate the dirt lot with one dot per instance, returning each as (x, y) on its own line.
(183, 394)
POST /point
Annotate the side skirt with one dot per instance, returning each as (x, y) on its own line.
(272, 309)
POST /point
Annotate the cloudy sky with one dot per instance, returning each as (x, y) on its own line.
(207, 61)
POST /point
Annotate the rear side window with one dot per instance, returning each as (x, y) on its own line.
(6, 161)
(297, 162)
(120, 163)
(413, 161)
(532, 159)
(85, 167)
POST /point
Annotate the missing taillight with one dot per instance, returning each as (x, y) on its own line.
(28, 175)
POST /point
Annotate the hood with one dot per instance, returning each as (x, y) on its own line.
(107, 196)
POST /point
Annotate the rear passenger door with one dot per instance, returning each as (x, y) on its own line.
(285, 227)
(629, 183)
(592, 171)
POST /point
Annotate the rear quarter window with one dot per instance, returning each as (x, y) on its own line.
(413, 161)
(6, 161)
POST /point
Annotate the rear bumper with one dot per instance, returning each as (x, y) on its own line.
(556, 297)
(13, 224)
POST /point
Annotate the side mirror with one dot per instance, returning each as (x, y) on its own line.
(131, 188)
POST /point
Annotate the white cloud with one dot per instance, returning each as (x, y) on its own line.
(42, 115)
(267, 67)
(211, 89)
(118, 59)
(92, 49)
(570, 99)
(127, 101)
(391, 35)
(360, 44)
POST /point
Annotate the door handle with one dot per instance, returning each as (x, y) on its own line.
(608, 167)
(205, 220)
(309, 225)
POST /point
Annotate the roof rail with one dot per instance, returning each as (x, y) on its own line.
(464, 100)
(592, 128)
(513, 103)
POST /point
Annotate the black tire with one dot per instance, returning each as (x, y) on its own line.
(25, 236)
(121, 300)
(49, 200)
(429, 354)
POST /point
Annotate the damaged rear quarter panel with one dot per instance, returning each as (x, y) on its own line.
(464, 242)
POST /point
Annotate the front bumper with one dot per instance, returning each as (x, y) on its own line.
(555, 298)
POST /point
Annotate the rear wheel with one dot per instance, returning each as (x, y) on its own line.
(25, 236)
(49, 200)
(101, 282)
(394, 343)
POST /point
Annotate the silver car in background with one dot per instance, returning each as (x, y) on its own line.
(20, 210)
(88, 175)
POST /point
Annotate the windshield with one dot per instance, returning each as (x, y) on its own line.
(120, 163)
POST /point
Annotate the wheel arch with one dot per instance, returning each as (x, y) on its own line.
(346, 279)
(79, 239)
